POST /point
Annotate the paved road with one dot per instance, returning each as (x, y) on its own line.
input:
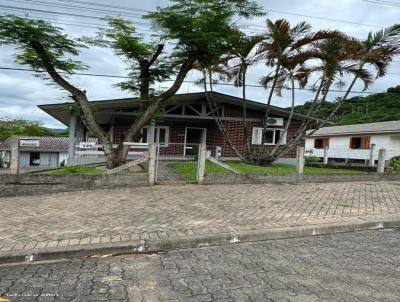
(352, 267)
(90, 217)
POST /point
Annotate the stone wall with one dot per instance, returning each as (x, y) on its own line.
(32, 184)
(295, 178)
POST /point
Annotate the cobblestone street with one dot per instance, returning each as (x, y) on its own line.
(89, 217)
(360, 266)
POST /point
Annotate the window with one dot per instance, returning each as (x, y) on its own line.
(321, 143)
(360, 142)
(271, 136)
(161, 135)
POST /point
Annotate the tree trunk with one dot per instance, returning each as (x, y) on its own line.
(244, 105)
(79, 97)
(137, 125)
(217, 117)
(268, 109)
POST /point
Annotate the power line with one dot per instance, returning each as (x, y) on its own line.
(186, 81)
(79, 8)
(387, 3)
(59, 13)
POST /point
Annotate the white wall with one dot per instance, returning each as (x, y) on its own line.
(339, 147)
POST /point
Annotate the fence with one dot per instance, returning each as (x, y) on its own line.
(348, 155)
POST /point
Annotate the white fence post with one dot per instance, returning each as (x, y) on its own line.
(300, 160)
(371, 156)
(14, 158)
(201, 165)
(381, 161)
(326, 155)
(152, 164)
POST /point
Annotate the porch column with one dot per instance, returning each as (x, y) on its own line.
(326, 158)
(72, 137)
(371, 156)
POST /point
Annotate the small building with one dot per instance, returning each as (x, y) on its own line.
(187, 120)
(360, 142)
(41, 151)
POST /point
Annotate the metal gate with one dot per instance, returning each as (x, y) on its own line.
(177, 163)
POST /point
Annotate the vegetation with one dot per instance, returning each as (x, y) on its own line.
(198, 29)
(394, 165)
(188, 170)
(380, 107)
(78, 170)
(283, 169)
(10, 127)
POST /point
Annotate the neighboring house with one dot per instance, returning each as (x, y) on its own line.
(46, 151)
(186, 122)
(356, 142)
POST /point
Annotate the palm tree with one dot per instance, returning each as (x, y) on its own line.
(339, 58)
(242, 53)
(285, 45)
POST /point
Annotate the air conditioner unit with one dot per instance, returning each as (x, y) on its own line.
(273, 121)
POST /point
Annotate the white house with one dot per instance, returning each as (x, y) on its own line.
(44, 151)
(355, 142)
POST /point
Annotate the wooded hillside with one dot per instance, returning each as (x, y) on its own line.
(380, 107)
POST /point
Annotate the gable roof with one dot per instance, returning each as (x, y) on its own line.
(360, 129)
(61, 111)
(46, 143)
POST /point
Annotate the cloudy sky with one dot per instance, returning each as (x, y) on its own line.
(21, 92)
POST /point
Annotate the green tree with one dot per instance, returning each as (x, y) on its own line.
(241, 52)
(10, 127)
(197, 27)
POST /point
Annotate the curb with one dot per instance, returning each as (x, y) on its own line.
(165, 245)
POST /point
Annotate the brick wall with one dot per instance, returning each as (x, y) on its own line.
(214, 136)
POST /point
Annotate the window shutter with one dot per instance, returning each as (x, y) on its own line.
(326, 142)
(283, 140)
(366, 141)
(257, 136)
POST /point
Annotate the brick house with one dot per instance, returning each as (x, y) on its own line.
(186, 121)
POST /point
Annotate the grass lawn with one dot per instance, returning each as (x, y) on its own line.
(78, 170)
(188, 169)
(283, 169)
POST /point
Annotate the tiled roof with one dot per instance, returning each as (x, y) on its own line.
(371, 128)
(47, 143)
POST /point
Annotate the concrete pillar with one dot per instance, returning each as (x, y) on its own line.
(371, 161)
(300, 160)
(14, 157)
(71, 137)
(152, 164)
(326, 158)
(201, 164)
(381, 161)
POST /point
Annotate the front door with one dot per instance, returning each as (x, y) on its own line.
(193, 138)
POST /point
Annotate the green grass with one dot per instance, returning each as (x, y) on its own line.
(188, 169)
(283, 169)
(77, 170)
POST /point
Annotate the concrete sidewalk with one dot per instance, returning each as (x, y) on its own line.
(167, 217)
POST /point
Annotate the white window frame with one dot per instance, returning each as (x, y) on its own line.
(253, 142)
(157, 139)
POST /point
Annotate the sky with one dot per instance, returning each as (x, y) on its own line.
(21, 91)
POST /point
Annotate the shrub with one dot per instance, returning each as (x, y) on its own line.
(394, 165)
(312, 159)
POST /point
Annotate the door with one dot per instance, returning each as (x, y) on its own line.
(193, 138)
